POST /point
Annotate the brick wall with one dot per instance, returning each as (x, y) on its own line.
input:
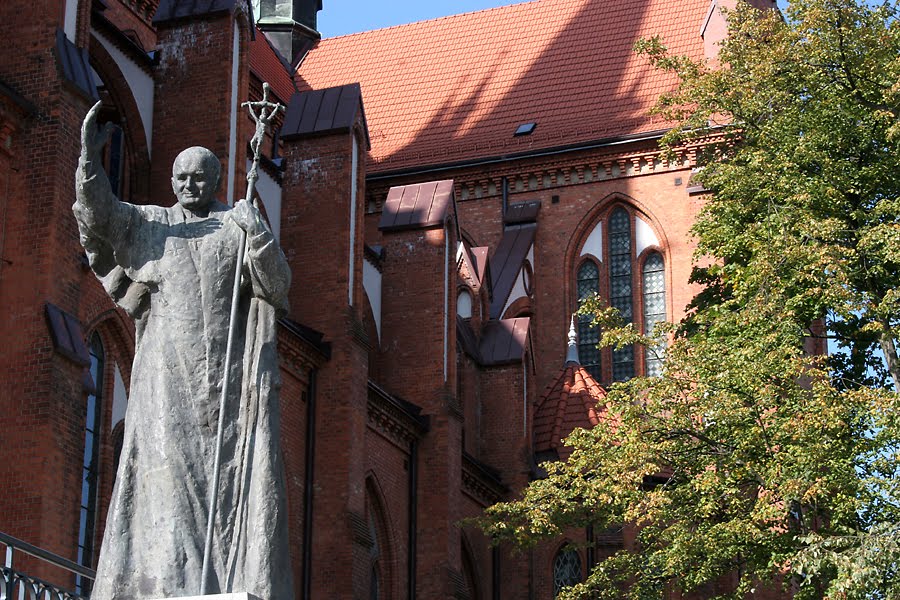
(315, 235)
(193, 98)
(42, 392)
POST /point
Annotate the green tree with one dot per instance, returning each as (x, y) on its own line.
(752, 461)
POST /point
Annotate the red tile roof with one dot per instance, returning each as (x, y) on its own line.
(267, 65)
(456, 88)
(569, 402)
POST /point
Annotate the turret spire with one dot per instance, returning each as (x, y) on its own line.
(572, 351)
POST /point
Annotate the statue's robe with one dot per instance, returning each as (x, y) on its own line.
(173, 271)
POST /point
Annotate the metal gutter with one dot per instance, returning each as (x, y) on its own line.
(601, 143)
(306, 559)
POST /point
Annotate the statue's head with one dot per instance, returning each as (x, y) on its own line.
(195, 177)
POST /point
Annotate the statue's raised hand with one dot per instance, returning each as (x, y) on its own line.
(94, 137)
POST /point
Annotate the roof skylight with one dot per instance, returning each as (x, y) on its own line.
(525, 129)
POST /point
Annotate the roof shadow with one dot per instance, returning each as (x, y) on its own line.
(457, 88)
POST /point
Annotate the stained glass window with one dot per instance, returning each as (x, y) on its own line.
(620, 292)
(654, 300)
(588, 335)
(566, 570)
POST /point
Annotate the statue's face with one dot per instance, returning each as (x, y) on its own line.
(195, 178)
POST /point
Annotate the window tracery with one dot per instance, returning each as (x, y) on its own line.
(566, 570)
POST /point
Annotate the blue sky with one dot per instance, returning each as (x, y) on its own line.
(340, 17)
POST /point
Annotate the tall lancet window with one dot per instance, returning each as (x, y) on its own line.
(620, 286)
(654, 300)
(88, 511)
(588, 335)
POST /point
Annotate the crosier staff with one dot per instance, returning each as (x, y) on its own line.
(262, 113)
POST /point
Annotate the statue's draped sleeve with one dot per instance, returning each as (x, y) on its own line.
(105, 226)
(268, 270)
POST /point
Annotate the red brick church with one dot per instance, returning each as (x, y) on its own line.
(445, 193)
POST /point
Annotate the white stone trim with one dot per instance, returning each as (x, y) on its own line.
(593, 245)
(644, 236)
(372, 286)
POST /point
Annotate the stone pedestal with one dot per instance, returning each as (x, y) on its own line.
(232, 596)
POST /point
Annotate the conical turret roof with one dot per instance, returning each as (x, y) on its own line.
(572, 400)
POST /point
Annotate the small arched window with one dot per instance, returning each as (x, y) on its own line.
(566, 570)
(464, 304)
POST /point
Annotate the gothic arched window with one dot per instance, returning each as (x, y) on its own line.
(620, 259)
(654, 300)
(620, 286)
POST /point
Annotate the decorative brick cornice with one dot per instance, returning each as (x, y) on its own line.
(101, 26)
(144, 9)
(480, 484)
(297, 357)
(388, 416)
(562, 170)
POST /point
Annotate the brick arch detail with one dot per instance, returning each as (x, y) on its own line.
(376, 502)
(117, 332)
(135, 134)
(470, 568)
